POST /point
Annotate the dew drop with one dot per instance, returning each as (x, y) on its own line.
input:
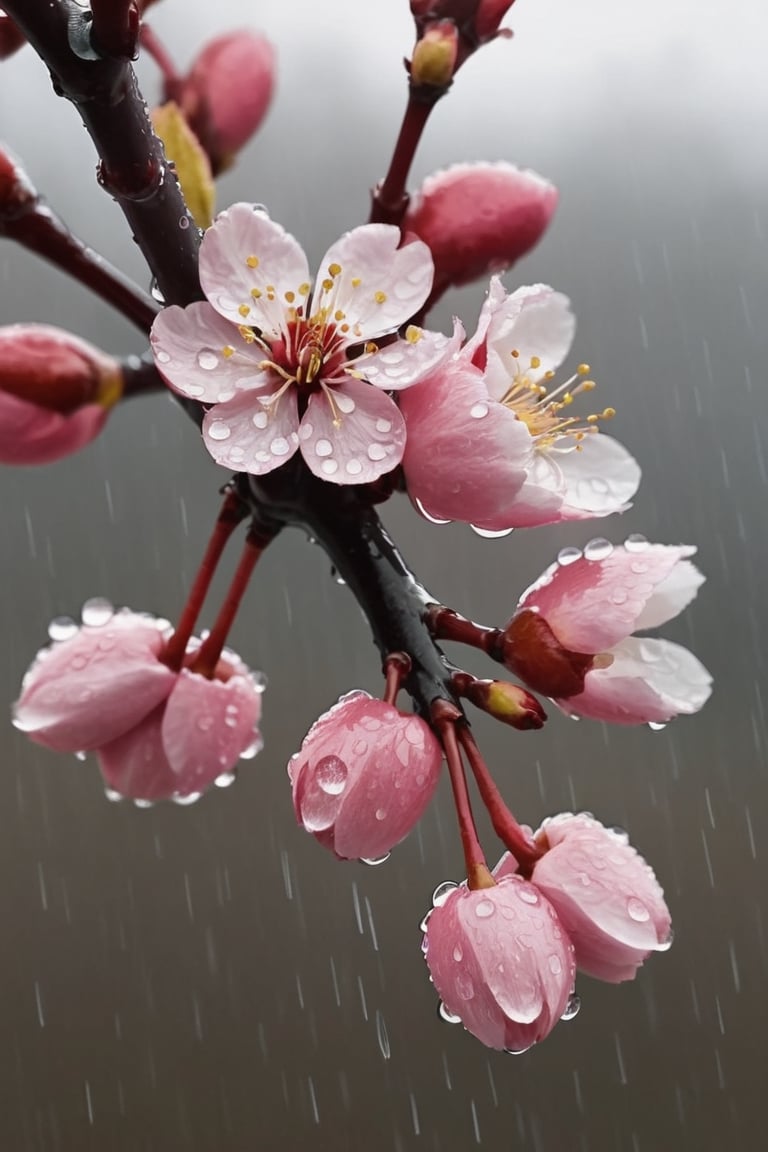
(330, 467)
(279, 446)
(374, 861)
(78, 663)
(331, 775)
(636, 543)
(428, 515)
(527, 895)
(323, 448)
(568, 556)
(458, 955)
(353, 467)
(185, 800)
(598, 549)
(381, 813)
(484, 909)
(81, 756)
(96, 612)
(517, 1051)
(442, 892)
(637, 911)
(113, 796)
(305, 430)
(139, 803)
(259, 681)
(360, 747)
(345, 404)
(62, 628)
(376, 452)
(218, 430)
(225, 780)
(383, 425)
(572, 1007)
(260, 419)
(656, 727)
(184, 222)
(555, 965)
(205, 723)
(446, 1014)
(491, 533)
(253, 748)
(156, 294)
(207, 359)
(162, 357)
(665, 945)
(425, 921)
(477, 411)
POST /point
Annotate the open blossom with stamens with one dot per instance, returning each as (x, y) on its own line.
(490, 437)
(157, 732)
(572, 634)
(289, 367)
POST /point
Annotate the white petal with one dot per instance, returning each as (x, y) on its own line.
(237, 237)
(405, 362)
(352, 434)
(534, 321)
(600, 478)
(189, 349)
(380, 286)
(253, 433)
(672, 595)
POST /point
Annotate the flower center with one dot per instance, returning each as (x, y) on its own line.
(541, 410)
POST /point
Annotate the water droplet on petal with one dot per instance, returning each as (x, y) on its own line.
(568, 556)
(446, 1014)
(527, 895)
(207, 359)
(381, 813)
(637, 911)
(636, 543)
(184, 222)
(218, 430)
(477, 411)
(572, 1007)
(425, 921)
(428, 515)
(330, 467)
(656, 727)
(353, 467)
(139, 803)
(442, 892)
(665, 945)
(279, 446)
(345, 404)
(555, 964)
(517, 1051)
(81, 756)
(162, 357)
(260, 419)
(374, 861)
(376, 452)
(598, 549)
(484, 909)
(490, 533)
(259, 681)
(185, 800)
(458, 955)
(113, 796)
(383, 426)
(253, 748)
(96, 612)
(62, 627)
(205, 723)
(225, 780)
(331, 775)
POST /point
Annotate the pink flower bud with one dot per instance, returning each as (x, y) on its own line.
(479, 218)
(572, 635)
(364, 776)
(608, 899)
(227, 92)
(506, 702)
(157, 733)
(11, 37)
(434, 57)
(501, 962)
(55, 393)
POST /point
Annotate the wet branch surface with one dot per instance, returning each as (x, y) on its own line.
(133, 169)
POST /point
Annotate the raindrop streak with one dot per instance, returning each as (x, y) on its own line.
(572, 1007)
(383, 1038)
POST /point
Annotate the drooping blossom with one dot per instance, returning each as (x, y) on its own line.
(491, 440)
(479, 218)
(227, 92)
(572, 636)
(364, 776)
(501, 962)
(287, 367)
(56, 392)
(157, 732)
(606, 896)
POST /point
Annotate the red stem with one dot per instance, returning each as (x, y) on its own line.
(232, 513)
(397, 667)
(390, 199)
(115, 28)
(478, 874)
(154, 47)
(210, 650)
(445, 624)
(522, 847)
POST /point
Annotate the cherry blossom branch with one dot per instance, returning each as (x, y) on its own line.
(140, 376)
(115, 28)
(389, 199)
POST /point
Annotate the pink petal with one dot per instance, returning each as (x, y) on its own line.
(135, 765)
(649, 682)
(33, 435)
(206, 727)
(466, 456)
(535, 322)
(590, 605)
(189, 348)
(599, 479)
(351, 434)
(90, 689)
(253, 433)
(238, 235)
(404, 362)
(393, 282)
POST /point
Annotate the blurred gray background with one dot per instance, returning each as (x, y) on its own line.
(210, 979)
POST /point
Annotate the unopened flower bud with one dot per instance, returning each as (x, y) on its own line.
(364, 776)
(55, 393)
(479, 218)
(226, 94)
(434, 57)
(530, 649)
(11, 37)
(506, 702)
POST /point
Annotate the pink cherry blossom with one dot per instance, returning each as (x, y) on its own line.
(513, 458)
(364, 776)
(55, 393)
(607, 897)
(592, 604)
(157, 733)
(285, 367)
(501, 962)
(479, 218)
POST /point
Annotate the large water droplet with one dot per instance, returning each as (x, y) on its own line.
(62, 628)
(636, 543)
(187, 799)
(425, 921)
(156, 294)
(478, 411)
(427, 515)
(442, 892)
(374, 861)
(568, 556)
(331, 775)
(218, 430)
(96, 612)
(527, 895)
(458, 955)
(113, 796)
(598, 549)
(572, 1007)
(491, 533)
(225, 780)
(637, 911)
(446, 1014)
(665, 945)
(655, 727)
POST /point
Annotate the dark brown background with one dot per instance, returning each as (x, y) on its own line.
(210, 979)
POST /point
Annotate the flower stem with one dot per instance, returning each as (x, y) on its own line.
(154, 47)
(115, 27)
(389, 199)
(397, 666)
(522, 846)
(478, 873)
(210, 650)
(233, 511)
(445, 624)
